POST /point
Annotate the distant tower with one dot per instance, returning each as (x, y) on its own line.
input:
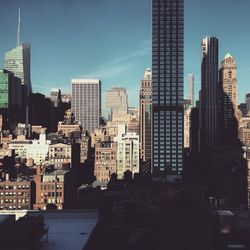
(145, 115)
(86, 102)
(17, 61)
(208, 93)
(191, 88)
(117, 100)
(56, 97)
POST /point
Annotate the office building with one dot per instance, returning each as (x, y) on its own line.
(64, 156)
(117, 100)
(167, 86)
(31, 149)
(227, 101)
(10, 99)
(55, 188)
(244, 131)
(145, 115)
(105, 160)
(134, 126)
(69, 125)
(38, 150)
(228, 80)
(127, 152)
(86, 102)
(17, 194)
(187, 122)
(191, 88)
(208, 93)
(17, 61)
(84, 147)
(194, 131)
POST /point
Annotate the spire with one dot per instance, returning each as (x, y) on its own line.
(18, 28)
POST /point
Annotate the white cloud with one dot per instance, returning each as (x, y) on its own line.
(120, 64)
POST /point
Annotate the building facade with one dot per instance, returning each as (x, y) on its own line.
(127, 152)
(17, 61)
(69, 125)
(208, 93)
(105, 160)
(117, 100)
(187, 122)
(10, 99)
(244, 131)
(53, 188)
(17, 194)
(191, 88)
(86, 102)
(228, 80)
(227, 101)
(145, 116)
(167, 86)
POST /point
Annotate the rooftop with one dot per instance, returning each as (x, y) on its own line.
(68, 229)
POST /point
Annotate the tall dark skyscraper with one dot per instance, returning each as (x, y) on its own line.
(167, 86)
(208, 93)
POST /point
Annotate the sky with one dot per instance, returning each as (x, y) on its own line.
(111, 40)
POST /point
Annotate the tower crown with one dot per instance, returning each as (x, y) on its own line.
(228, 55)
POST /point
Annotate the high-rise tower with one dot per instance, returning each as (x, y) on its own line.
(227, 101)
(228, 80)
(17, 61)
(208, 93)
(145, 115)
(167, 86)
(191, 88)
(86, 102)
(117, 100)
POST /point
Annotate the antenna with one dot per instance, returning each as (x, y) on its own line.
(18, 28)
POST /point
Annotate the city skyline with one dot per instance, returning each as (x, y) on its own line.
(70, 56)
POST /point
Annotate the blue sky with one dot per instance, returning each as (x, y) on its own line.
(111, 39)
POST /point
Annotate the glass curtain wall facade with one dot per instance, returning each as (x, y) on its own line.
(167, 86)
(17, 61)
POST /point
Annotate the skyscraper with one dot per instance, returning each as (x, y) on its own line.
(117, 100)
(187, 122)
(17, 61)
(167, 86)
(228, 80)
(227, 101)
(208, 93)
(191, 88)
(145, 115)
(10, 99)
(86, 102)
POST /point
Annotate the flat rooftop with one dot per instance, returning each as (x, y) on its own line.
(68, 229)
